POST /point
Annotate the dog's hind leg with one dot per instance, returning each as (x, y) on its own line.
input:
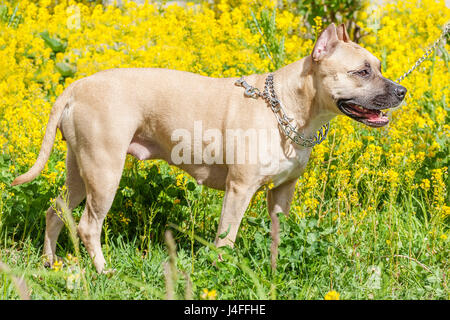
(101, 174)
(75, 194)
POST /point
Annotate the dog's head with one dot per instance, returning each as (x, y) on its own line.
(349, 79)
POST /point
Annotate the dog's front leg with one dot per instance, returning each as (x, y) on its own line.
(279, 199)
(235, 202)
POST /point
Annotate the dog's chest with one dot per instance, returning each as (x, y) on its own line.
(291, 167)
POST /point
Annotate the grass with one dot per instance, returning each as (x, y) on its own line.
(392, 256)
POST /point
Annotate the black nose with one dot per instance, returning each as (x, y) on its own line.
(400, 91)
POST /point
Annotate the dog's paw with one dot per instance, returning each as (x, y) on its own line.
(52, 262)
(109, 272)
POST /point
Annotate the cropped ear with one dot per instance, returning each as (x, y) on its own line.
(324, 43)
(342, 33)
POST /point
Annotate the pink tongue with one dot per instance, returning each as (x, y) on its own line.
(371, 115)
(377, 117)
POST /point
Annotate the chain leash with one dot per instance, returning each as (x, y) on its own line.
(286, 123)
(427, 52)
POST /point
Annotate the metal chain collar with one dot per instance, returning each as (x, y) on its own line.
(285, 122)
(427, 52)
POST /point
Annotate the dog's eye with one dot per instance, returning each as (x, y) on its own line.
(363, 73)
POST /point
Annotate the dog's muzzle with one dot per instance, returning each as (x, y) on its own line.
(370, 117)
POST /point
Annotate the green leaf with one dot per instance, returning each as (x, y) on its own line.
(311, 238)
(190, 186)
(65, 69)
(3, 12)
(224, 234)
(327, 231)
(55, 44)
(172, 191)
(167, 182)
(254, 221)
(312, 223)
(127, 192)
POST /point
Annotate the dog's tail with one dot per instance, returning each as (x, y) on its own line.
(49, 138)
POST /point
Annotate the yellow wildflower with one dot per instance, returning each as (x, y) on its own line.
(57, 265)
(208, 295)
(332, 295)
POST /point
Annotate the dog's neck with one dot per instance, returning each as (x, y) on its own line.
(294, 85)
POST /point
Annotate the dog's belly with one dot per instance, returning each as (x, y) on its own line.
(213, 176)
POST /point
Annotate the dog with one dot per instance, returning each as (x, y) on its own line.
(117, 112)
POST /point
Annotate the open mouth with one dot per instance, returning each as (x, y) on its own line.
(371, 117)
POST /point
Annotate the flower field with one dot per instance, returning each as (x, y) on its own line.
(370, 217)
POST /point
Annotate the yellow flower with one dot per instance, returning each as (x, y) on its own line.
(332, 295)
(208, 295)
(57, 265)
(123, 219)
(180, 180)
(445, 211)
(425, 185)
(318, 25)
